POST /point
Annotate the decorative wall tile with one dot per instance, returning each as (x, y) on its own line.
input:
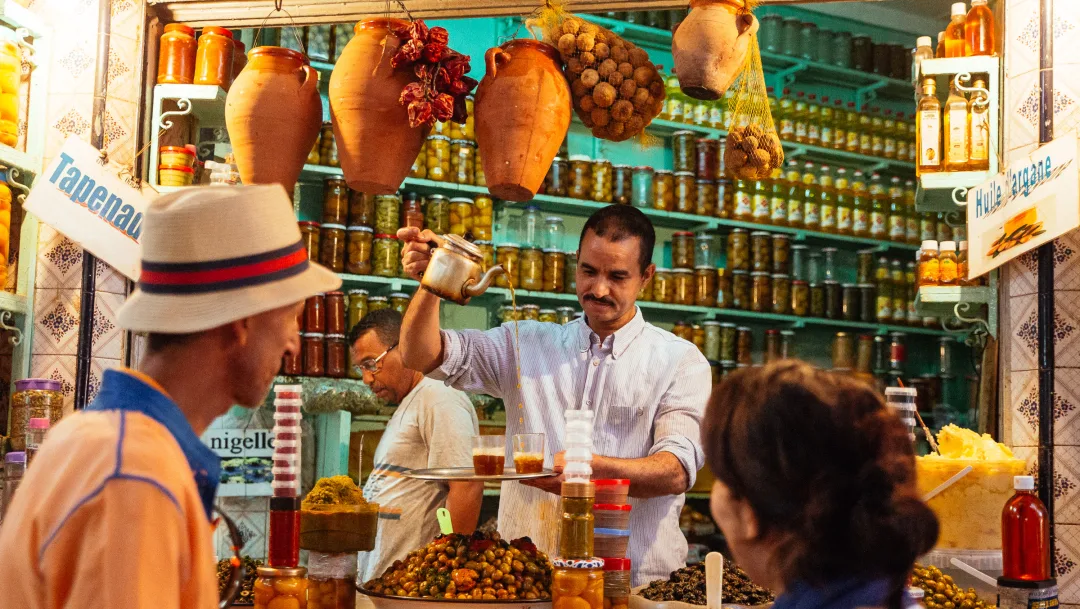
(1021, 276)
(59, 261)
(1067, 408)
(1067, 562)
(1030, 455)
(1066, 255)
(108, 337)
(60, 368)
(1023, 333)
(1021, 420)
(109, 279)
(98, 366)
(251, 515)
(72, 123)
(56, 322)
(120, 130)
(1021, 110)
(1021, 37)
(1066, 324)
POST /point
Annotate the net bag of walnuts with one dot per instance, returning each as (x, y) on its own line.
(617, 90)
(753, 148)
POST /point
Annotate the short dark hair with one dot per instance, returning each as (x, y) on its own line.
(157, 342)
(618, 222)
(827, 468)
(385, 322)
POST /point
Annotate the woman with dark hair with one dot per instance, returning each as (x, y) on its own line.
(815, 487)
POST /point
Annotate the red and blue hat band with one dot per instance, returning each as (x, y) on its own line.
(223, 275)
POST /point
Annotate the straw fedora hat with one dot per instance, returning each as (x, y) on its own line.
(214, 254)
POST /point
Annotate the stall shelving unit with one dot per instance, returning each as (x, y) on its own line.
(960, 306)
(205, 103)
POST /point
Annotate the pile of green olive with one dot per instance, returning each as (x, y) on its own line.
(943, 593)
(469, 567)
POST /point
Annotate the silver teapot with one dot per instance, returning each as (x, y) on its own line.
(455, 270)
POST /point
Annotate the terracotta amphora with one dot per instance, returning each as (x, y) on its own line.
(710, 46)
(273, 114)
(376, 146)
(522, 116)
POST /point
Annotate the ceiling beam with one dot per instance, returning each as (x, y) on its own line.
(252, 13)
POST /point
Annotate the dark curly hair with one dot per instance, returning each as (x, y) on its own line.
(827, 469)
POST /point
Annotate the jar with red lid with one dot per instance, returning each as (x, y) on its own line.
(176, 55)
(309, 234)
(708, 159)
(214, 57)
(336, 356)
(616, 582)
(315, 314)
(335, 313)
(313, 344)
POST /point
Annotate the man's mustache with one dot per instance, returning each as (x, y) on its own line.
(596, 299)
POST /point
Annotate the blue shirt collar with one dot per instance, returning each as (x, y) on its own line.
(845, 594)
(123, 391)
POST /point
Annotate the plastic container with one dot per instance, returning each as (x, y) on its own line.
(611, 542)
(36, 428)
(616, 583)
(612, 516)
(969, 511)
(175, 175)
(14, 468)
(177, 156)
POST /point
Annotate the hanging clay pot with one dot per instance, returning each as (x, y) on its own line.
(376, 146)
(522, 116)
(273, 114)
(710, 46)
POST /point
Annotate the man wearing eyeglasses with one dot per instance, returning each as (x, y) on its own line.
(433, 426)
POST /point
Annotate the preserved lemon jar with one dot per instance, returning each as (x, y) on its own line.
(646, 290)
(509, 256)
(558, 178)
(387, 214)
(554, 270)
(176, 55)
(705, 280)
(685, 192)
(664, 190)
(581, 177)
(578, 583)
(760, 292)
(531, 274)
(386, 256)
(461, 215)
(462, 161)
(361, 209)
(603, 181)
(437, 214)
(623, 184)
(465, 131)
(707, 197)
(738, 250)
(530, 312)
(358, 255)
(483, 211)
(419, 166)
(761, 251)
(438, 158)
(479, 179)
(281, 587)
(570, 283)
(682, 250)
(332, 247)
(309, 234)
(487, 252)
(663, 286)
(683, 281)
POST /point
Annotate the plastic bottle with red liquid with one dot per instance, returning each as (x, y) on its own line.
(1025, 534)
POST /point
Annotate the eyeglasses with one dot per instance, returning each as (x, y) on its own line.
(372, 365)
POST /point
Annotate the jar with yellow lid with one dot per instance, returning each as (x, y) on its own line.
(462, 161)
(281, 587)
(509, 256)
(663, 286)
(461, 215)
(438, 158)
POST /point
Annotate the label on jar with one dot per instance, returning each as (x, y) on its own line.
(801, 129)
(912, 316)
(902, 150)
(828, 217)
(853, 141)
(911, 231)
(884, 308)
(956, 152)
(890, 148)
(701, 114)
(716, 116)
(980, 136)
(778, 212)
(743, 204)
(897, 228)
(839, 139)
(877, 145)
(878, 224)
(899, 310)
(811, 214)
(787, 129)
(826, 136)
(929, 152)
(844, 219)
(794, 212)
(760, 208)
(675, 109)
(860, 221)
(813, 133)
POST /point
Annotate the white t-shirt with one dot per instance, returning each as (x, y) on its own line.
(433, 427)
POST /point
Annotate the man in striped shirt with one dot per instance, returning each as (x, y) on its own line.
(647, 388)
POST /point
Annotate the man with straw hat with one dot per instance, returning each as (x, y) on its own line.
(115, 510)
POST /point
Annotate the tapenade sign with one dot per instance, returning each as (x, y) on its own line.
(88, 203)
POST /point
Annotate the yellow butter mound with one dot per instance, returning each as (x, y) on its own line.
(959, 443)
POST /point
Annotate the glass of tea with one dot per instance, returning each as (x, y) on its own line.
(529, 453)
(489, 455)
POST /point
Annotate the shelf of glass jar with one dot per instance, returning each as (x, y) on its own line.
(945, 291)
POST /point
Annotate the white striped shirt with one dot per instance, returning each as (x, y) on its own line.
(647, 387)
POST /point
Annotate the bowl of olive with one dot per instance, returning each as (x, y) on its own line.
(685, 589)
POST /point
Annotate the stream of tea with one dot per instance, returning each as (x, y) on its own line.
(517, 352)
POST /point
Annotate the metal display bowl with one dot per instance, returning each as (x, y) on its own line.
(383, 601)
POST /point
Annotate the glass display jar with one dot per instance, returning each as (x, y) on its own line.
(358, 254)
(554, 271)
(645, 293)
(789, 36)
(581, 178)
(738, 250)
(664, 190)
(760, 292)
(419, 165)
(314, 314)
(800, 298)
(808, 41)
(483, 217)
(438, 158)
(682, 250)
(707, 198)
(603, 181)
(728, 342)
(309, 234)
(842, 49)
(531, 273)
(740, 290)
(761, 251)
(578, 583)
(834, 308)
(557, 181)
(623, 184)
(214, 57)
(386, 256)
(663, 286)
(683, 331)
(781, 254)
(34, 399)
(565, 315)
(725, 198)
(712, 340)
(176, 55)
(684, 151)
(336, 356)
(437, 214)
(684, 289)
(742, 202)
(570, 283)
(487, 252)
(361, 209)
(685, 192)
(705, 280)
(462, 161)
(554, 234)
(549, 316)
(412, 210)
(387, 214)
(723, 288)
(708, 159)
(530, 312)
(781, 293)
(509, 256)
(335, 201)
(744, 346)
(378, 303)
(704, 249)
(358, 306)
(328, 154)
(461, 216)
(332, 247)
(313, 346)
(642, 193)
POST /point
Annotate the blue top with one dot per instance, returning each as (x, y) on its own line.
(123, 391)
(846, 594)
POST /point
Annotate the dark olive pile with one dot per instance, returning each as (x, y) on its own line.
(687, 585)
(480, 566)
(943, 593)
(224, 572)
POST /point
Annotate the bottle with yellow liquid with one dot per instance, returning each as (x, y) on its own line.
(860, 206)
(778, 199)
(979, 29)
(877, 133)
(852, 144)
(888, 135)
(866, 132)
(955, 41)
(844, 207)
(928, 129)
(729, 107)
(879, 210)
(911, 232)
(901, 135)
(811, 206)
(802, 126)
(786, 117)
(955, 119)
(839, 140)
(759, 206)
(827, 123)
(979, 129)
(813, 121)
(827, 199)
(940, 51)
(793, 181)
(673, 101)
(897, 212)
